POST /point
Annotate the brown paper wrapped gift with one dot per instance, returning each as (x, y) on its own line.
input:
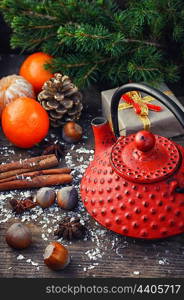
(162, 123)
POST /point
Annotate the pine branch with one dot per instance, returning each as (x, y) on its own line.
(78, 61)
(38, 41)
(129, 44)
(35, 14)
(129, 40)
(87, 37)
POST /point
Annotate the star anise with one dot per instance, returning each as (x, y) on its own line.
(20, 206)
(56, 149)
(70, 228)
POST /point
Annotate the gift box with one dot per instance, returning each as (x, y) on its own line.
(161, 122)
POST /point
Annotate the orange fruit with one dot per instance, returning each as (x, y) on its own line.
(13, 87)
(34, 71)
(25, 122)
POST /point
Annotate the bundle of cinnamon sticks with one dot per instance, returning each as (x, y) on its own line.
(32, 173)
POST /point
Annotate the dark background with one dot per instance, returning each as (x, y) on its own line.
(4, 36)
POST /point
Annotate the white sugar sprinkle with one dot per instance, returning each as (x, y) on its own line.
(163, 261)
(20, 257)
(136, 272)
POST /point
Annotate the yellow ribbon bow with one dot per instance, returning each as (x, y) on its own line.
(142, 103)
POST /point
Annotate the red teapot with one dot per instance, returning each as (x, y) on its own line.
(135, 184)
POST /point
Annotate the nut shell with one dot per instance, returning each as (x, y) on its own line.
(45, 197)
(18, 236)
(72, 132)
(56, 256)
(67, 197)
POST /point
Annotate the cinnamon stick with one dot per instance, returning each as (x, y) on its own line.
(44, 161)
(36, 163)
(38, 181)
(22, 176)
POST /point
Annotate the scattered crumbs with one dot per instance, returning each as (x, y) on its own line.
(163, 261)
(20, 257)
(44, 237)
(29, 260)
(82, 222)
(82, 150)
(145, 258)
(91, 267)
(136, 272)
(94, 254)
(120, 249)
(34, 263)
(80, 159)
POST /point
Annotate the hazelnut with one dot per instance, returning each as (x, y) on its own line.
(72, 132)
(18, 236)
(56, 256)
(67, 197)
(45, 197)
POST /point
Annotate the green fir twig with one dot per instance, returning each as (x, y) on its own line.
(95, 40)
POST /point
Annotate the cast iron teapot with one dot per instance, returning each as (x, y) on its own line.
(135, 184)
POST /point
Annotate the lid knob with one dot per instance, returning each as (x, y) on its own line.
(144, 140)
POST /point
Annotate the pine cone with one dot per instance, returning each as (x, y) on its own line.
(62, 100)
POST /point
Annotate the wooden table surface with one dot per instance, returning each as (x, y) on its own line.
(100, 253)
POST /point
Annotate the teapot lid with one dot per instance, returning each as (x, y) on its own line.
(144, 157)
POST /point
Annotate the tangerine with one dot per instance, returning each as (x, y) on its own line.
(25, 122)
(34, 71)
(13, 87)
